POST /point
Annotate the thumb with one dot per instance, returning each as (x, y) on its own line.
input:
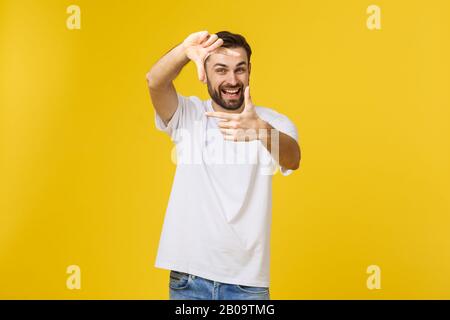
(201, 71)
(248, 99)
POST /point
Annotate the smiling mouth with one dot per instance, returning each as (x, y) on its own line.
(231, 93)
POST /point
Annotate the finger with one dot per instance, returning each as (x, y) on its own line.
(215, 45)
(230, 138)
(247, 98)
(205, 58)
(222, 115)
(212, 38)
(238, 134)
(201, 72)
(226, 124)
(228, 131)
(202, 36)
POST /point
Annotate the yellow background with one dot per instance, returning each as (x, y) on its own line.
(85, 176)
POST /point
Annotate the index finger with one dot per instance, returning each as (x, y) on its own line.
(223, 50)
(216, 44)
(222, 115)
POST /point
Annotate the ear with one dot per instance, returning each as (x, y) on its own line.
(249, 68)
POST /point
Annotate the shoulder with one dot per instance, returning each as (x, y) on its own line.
(192, 103)
(278, 120)
(269, 114)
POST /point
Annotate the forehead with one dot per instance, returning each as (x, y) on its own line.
(227, 56)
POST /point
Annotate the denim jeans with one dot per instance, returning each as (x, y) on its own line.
(184, 286)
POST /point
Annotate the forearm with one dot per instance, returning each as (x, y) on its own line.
(167, 68)
(286, 149)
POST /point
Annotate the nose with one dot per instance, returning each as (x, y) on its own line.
(232, 79)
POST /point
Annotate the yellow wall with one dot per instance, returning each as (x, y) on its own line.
(85, 176)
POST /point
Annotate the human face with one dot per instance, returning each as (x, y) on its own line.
(227, 76)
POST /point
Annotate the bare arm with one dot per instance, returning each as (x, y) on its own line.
(289, 154)
(195, 47)
(247, 125)
(160, 82)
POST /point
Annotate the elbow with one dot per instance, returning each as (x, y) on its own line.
(292, 159)
(150, 80)
(298, 157)
(295, 165)
(154, 83)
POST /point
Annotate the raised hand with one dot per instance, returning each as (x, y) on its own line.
(198, 46)
(244, 126)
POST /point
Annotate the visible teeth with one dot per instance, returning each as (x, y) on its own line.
(232, 91)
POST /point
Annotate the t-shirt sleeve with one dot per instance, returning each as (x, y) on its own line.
(178, 119)
(283, 124)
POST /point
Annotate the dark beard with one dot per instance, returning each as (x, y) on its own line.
(228, 105)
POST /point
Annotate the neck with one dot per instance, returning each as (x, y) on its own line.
(216, 107)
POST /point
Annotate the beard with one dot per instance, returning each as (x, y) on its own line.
(226, 103)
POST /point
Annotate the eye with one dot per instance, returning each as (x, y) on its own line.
(221, 70)
(240, 70)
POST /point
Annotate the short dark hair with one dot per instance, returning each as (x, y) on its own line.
(234, 40)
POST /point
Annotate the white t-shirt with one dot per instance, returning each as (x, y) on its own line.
(218, 220)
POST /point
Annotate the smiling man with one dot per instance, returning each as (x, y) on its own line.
(216, 234)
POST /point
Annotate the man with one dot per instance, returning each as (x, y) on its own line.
(216, 233)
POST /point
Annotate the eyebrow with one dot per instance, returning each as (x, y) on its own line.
(224, 65)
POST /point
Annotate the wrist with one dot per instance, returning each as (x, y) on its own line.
(183, 49)
(264, 129)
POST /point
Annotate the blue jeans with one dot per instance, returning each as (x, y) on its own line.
(184, 286)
